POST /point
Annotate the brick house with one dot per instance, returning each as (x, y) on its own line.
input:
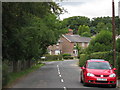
(55, 49)
(67, 44)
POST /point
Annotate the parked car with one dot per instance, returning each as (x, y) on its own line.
(97, 71)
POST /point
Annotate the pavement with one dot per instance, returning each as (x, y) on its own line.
(118, 83)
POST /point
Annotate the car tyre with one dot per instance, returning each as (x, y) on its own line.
(81, 80)
(84, 84)
(113, 86)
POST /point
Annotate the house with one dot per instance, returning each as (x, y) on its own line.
(117, 37)
(67, 44)
(55, 49)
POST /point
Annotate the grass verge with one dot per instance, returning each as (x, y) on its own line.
(52, 60)
(16, 75)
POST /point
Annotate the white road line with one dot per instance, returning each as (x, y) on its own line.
(57, 65)
(64, 88)
(58, 69)
(62, 80)
(59, 75)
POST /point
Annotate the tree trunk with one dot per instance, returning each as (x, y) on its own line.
(29, 63)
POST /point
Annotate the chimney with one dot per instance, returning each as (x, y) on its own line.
(70, 32)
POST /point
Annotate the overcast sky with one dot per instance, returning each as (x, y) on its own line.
(88, 8)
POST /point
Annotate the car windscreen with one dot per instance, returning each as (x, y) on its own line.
(98, 65)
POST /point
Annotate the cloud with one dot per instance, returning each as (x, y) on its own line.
(89, 8)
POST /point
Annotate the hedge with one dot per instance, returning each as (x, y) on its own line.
(97, 55)
(83, 58)
(68, 57)
(108, 56)
(53, 57)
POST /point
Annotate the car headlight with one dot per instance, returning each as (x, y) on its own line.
(90, 74)
(112, 75)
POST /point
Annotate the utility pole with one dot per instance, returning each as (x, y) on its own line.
(114, 33)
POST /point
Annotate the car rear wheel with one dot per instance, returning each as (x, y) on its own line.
(81, 80)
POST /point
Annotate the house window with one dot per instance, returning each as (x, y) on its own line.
(83, 44)
(75, 45)
(75, 52)
(50, 52)
(57, 52)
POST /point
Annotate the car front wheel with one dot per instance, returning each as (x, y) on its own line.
(113, 86)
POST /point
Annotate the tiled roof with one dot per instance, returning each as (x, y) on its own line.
(76, 38)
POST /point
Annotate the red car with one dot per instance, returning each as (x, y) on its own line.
(97, 71)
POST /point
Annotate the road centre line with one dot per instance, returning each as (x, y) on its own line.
(59, 75)
(62, 80)
(64, 88)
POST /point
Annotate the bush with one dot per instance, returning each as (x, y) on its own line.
(68, 57)
(118, 65)
(97, 55)
(5, 74)
(53, 57)
(66, 54)
(83, 58)
(102, 55)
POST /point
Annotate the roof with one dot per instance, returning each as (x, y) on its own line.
(76, 38)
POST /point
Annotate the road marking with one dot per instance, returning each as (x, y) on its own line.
(62, 80)
(59, 72)
(57, 65)
(64, 88)
(59, 75)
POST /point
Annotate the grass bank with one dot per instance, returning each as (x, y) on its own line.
(14, 76)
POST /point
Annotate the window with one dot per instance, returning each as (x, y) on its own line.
(98, 65)
(83, 44)
(57, 52)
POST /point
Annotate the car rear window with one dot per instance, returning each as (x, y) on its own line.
(98, 65)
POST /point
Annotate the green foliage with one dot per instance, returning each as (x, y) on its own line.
(5, 74)
(102, 42)
(86, 34)
(97, 55)
(53, 57)
(66, 54)
(103, 55)
(68, 57)
(102, 26)
(26, 32)
(117, 25)
(74, 22)
(83, 29)
(83, 58)
(118, 45)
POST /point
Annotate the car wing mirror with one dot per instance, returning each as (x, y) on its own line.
(114, 69)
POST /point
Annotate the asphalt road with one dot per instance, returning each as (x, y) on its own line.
(55, 74)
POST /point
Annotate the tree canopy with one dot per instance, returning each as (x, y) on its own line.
(29, 28)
